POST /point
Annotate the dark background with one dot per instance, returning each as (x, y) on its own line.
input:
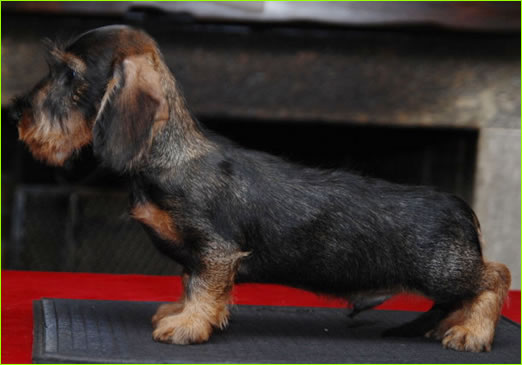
(363, 98)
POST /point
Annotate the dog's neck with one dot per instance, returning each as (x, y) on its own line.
(177, 140)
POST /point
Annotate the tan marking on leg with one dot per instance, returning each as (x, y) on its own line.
(206, 304)
(158, 220)
(471, 327)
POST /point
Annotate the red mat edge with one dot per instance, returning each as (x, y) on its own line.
(20, 288)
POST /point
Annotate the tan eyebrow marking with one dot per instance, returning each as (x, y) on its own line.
(70, 59)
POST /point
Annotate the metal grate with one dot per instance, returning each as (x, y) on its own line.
(57, 229)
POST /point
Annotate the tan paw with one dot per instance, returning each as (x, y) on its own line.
(166, 310)
(461, 338)
(182, 329)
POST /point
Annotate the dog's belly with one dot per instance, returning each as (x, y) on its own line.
(335, 277)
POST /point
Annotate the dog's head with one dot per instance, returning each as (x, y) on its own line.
(108, 87)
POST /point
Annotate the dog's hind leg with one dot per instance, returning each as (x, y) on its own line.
(471, 326)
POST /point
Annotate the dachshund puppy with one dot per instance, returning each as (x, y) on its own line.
(228, 214)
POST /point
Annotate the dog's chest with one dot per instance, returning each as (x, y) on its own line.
(158, 220)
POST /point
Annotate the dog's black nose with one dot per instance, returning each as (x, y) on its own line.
(16, 109)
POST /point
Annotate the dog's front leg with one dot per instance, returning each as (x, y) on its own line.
(169, 309)
(204, 305)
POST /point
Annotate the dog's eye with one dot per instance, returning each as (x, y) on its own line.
(71, 74)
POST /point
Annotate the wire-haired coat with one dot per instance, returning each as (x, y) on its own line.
(227, 214)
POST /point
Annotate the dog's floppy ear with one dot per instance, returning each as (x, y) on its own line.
(133, 103)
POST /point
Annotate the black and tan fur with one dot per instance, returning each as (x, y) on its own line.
(228, 214)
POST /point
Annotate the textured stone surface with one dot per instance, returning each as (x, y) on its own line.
(497, 196)
(440, 79)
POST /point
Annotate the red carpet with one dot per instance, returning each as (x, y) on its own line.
(20, 288)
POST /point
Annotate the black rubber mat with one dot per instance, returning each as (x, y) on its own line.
(92, 331)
